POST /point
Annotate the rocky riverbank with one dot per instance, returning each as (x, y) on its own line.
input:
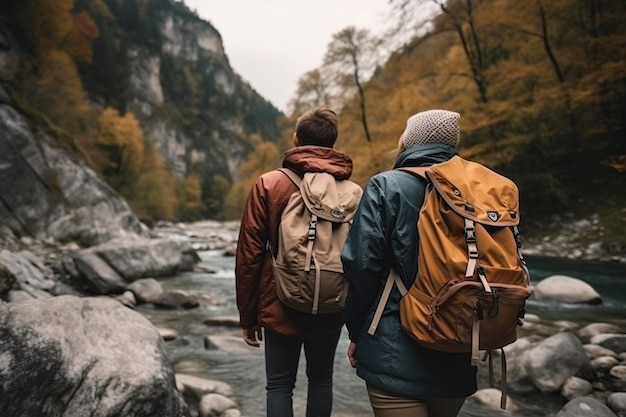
(574, 238)
(69, 301)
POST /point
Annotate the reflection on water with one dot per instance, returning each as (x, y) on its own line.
(244, 370)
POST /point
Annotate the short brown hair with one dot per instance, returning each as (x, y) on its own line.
(317, 127)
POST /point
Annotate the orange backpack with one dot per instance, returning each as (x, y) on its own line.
(472, 281)
(314, 225)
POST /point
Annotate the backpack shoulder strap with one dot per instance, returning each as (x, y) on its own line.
(293, 176)
(419, 172)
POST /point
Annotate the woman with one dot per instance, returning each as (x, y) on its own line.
(403, 378)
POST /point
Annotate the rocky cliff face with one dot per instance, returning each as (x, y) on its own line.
(217, 136)
(192, 106)
(194, 42)
(48, 195)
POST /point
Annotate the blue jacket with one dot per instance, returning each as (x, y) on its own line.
(384, 234)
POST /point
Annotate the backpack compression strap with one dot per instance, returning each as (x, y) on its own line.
(310, 256)
(391, 278)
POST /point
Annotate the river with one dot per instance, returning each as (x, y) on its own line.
(243, 367)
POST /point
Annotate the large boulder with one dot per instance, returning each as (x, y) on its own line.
(70, 356)
(549, 363)
(585, 407)
(566, 290)
(110, 267)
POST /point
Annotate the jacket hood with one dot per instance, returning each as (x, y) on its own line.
(318, 159)
(425, 155)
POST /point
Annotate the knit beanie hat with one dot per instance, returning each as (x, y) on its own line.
(432, 126)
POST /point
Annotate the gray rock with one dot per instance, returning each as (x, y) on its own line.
(29, 272)
(146, 290)
(225, 321)
(127, 298)
(98, 274)
(603, 364)
(575, 387)
(491, 398)
(142, 258)
(567, 290)
(587, 332)
(613, 341)
(109, 268)
(214, 405)
(198, 386)
(617, 376)
(596, 351)
(585, 407)
(550, 362)
(227, 343)
(167, 334)
(83, 357)
(19, 296)
(617, 402)
(177, 299)
(7, 279)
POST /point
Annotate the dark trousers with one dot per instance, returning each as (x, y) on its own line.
(282, 355)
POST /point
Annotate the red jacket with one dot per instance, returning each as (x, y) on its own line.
(257, 301)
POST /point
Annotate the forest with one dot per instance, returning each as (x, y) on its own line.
(540, 85)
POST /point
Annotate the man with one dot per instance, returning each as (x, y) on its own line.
(285, 330)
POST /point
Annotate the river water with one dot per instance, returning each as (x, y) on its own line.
(243, 367)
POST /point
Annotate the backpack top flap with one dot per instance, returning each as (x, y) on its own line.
(328, 198)
(476, 192)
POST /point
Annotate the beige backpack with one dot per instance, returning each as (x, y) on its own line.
(314, 226)
(472, 281)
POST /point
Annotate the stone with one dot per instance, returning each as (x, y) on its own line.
(199, 386)
(567, 290)
(146, 290)
(83, 357)
(550, 362)
(214, 405)
(585, 407)
(595, 351)
(575, 387)
(587, 332)
(603, 364)
(613, 341)
(617, 402)
(227, 343)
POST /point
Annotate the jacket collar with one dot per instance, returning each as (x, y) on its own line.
(318, 159)
(425, 155)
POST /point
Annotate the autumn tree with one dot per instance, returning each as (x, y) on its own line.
(314, 89)
(78, 41)
(265, 158)
(155, 195)
(351, 58)
(121, 145)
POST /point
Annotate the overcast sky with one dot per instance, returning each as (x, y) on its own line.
(271, 43)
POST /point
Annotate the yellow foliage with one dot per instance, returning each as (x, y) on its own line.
(192, 193)
(46, 23)
(58, 78)
(78, 41)
(264, 158)
(122, 139)
(155, 195)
